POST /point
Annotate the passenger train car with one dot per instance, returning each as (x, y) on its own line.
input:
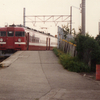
(14, 38)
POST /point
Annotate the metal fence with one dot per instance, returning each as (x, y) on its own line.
(67, 47)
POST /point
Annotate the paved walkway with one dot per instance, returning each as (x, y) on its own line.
(37, 75)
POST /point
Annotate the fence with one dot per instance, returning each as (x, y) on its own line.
(67, 47)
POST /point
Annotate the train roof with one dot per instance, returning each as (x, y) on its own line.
(11, 28)
(21, 28)
(36, 30)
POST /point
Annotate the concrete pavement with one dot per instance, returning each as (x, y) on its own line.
(37, 75)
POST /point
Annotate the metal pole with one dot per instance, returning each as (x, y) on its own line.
(24, 17)
(83, 17)
(70, 19)
(99, 28)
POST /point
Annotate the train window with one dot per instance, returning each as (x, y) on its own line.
(2, 33)
(19, 33)
(10, 33)
(35, 39)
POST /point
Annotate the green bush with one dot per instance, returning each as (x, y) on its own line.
(64, 59)
(78, 66)
(98, 39)
(88, 50)
(57, 52)
(71, 63)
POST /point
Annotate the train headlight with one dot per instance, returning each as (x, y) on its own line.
(1, 40)
(19, 40)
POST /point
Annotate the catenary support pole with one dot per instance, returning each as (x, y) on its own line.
(99, 28)
(70, 19)
(24, 17)
(83, 17)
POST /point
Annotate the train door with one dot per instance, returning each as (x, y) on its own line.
(27, 41)
(10, 39)
(47, 43)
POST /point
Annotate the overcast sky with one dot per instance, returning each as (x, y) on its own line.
(11, 11)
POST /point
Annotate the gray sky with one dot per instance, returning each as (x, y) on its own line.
(11, 11)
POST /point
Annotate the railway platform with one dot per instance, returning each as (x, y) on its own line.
(38, 75)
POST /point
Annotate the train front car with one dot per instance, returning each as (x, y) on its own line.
(3, 39)
(12, 39)
(19, 39)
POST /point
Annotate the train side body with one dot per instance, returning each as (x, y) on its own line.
(40, 41)
(19, 38)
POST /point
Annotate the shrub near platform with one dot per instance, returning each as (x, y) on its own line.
(71, 63)
(57, 52)
(78, 66)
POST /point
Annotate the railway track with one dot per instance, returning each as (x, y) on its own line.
(2, 59)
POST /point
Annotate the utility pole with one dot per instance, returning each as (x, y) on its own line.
(83, 17)
(70, 19)
(24, 17)
(99, 28)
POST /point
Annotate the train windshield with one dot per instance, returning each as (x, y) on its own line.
(19, 33)
(10, 33)
(2, 33)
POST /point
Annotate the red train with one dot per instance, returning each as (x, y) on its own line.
(14, 38)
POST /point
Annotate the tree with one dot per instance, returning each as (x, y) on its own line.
(74, 32)
(65, 30)
(88, 50)
(98, 39)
